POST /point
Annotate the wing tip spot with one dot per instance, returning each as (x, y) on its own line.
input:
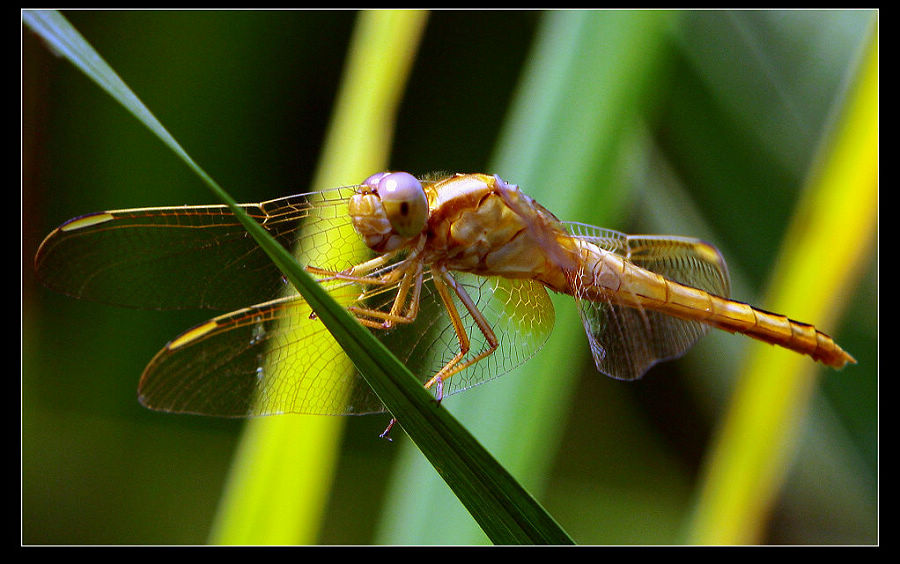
(84, 221)
(191, 335)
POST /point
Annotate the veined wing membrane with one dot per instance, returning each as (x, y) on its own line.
(687, 260)
(267, 359)
(193, 256)
(270, 358)
(519, 312)
(626, 341)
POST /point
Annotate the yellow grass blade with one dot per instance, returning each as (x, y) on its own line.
(831, 236)
(274, 495)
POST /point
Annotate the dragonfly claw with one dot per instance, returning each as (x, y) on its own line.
(386, 433)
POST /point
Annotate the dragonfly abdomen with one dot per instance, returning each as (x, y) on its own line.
(777, 329)
(737, 317)
(613, 278)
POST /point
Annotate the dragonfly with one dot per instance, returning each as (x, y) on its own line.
(450, 271)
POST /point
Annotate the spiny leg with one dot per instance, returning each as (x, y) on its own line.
(350, 274)
(358, 273)
(441, 279)
(361, 274)
(412, 278)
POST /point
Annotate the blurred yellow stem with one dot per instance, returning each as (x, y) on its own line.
(278, 487)
(831, 235)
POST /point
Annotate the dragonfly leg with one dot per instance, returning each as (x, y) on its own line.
(362, 272)
(441, 280)
(412, 279)
(358, 273)
(408, 271)
(348, 276)
(386, 433)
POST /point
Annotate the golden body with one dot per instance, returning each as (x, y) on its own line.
(472, 252)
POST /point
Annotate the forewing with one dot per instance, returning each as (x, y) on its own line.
(194, 256)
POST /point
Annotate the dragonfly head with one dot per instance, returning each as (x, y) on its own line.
(390, 209)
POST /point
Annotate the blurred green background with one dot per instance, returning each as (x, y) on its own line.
(739, 105)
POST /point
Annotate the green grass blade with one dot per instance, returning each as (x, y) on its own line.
(506, 512)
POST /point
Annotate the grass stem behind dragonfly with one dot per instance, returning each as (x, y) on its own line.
(456, 287)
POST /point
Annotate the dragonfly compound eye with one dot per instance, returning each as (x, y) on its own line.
(372, 181)
(404, 201)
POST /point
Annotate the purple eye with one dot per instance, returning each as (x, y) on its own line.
(404, 201)
(372, 181)
(398, 185)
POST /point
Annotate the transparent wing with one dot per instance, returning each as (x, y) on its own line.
(193, 256)
(689, 261)
(626, 341)
(266, 359)
(519, 312)
(274, 358)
